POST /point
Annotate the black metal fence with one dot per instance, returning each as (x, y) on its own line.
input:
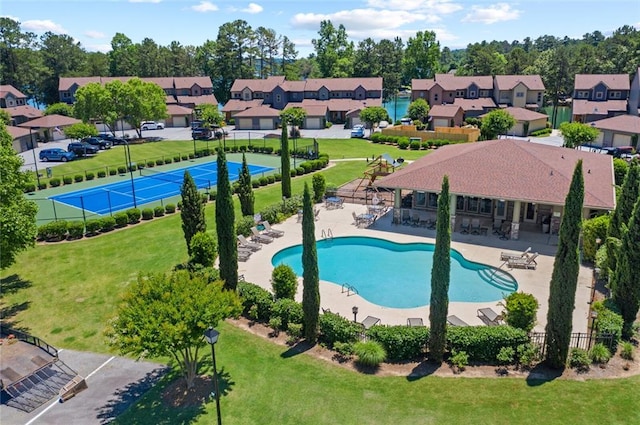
(30, 339)
(582, 340)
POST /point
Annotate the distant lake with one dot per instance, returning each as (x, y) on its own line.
(397, 109)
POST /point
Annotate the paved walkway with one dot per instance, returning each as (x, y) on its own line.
(483, 249)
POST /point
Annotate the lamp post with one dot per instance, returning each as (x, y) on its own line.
(211, 335)
(127, 158)
(33, 151)
(354, 310)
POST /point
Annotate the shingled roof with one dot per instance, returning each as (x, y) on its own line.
(509, 82)
(594, 107)
(612, 81)
(621, 123)
(509, 169)
(9, 89)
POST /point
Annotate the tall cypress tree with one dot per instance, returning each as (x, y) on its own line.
(225, 226)
(192, 211)
(440, 276)
(564, 279)
(245, 191)
(285, 162)
(626, 279)
(310, 274)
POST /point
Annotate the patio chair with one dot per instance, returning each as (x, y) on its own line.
(270, 231)
(415, 321)
(465, 226)
(406, 217)
(475, 226)
(370, 321)
(243, 242)
(454, 320)
(244, 255)
(506, 256)
(497, 224)
(528, 262)
(415, 219)
(259, 237)
(356, 219)
(489, 316)
(316, 213)
(504, 230)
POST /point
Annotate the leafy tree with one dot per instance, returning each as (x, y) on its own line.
(80, 130)
(166, 315)
(331, 47)
(95, 102)
(5, 118)
(418, 110)
(495, 123)
(564, 278)
(61, 56)
(592, 230)
(366, 63)
(142, 101)
(626, 279)
(284, 282)
(294, 116)
(319, 184)
(440, 276)
(390, 55)
(225, 226)
(372, 115)
(422, 56)
(228, 53)
(520, 310)
(192, 212)
(576, 134)
(17, 214)
(620, 170)
(59, 108)
(310, 274)
(245, 190)
(483, 59)
(285, 162)
(203, 250)
(123, 57)
(210, 115)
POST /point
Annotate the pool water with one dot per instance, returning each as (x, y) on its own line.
(398, 275)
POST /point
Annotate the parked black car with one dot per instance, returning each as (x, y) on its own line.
(81, 148)
(96, 141)
(113, 139)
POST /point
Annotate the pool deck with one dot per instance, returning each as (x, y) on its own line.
(479, 248)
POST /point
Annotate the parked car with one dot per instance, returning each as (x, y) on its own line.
(405, 121)
(201, 133)
(113, 139)
(620, 151)
(81, 149)
(383, 124)
(97, 141)
(357, 131)
(151, 125)
(56, 154)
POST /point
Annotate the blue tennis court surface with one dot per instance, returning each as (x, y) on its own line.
(153, 186)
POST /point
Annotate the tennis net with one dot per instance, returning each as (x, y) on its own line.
(176, 177)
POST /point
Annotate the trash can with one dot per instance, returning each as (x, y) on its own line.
(545, 224)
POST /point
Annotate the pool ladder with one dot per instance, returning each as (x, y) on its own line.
(327, 235)
(349, 289)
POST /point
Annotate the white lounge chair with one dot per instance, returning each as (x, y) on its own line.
(259, 237)
(415, 321)
(528, 262)
(243, 242)
(489, 316)
(506, 256)
(370, 321)
(270, 231)
(244, 255)
(454, 320)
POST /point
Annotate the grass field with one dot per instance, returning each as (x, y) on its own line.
(66, 292)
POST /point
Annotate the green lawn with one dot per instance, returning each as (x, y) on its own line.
(65, 293)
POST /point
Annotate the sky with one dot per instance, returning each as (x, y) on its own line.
(456, 23)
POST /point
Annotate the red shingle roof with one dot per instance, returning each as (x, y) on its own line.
(418, 84)
(342, 105)
(612, 81)
(234, 105)
(262, 85)
(510, 169)
(451, 82)
(262, 111)
(444, 111)
(50, 121)
(24, 111)
(621, 123)
(165, 82)
(16, 132)
(478, 104)
(591, 107)
(509, 82)
(198, 100)
(522, 114)
(174, 109)
(8, 88)
(343, 84)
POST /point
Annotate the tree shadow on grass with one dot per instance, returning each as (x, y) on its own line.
(10, 285)
(423, 369)
(541, 374)
(298, 348)
(124, 397)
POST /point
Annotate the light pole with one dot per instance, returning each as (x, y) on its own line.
(211, 335)
(127, 158)
(194, 144)
(354, 310)
(33, 151)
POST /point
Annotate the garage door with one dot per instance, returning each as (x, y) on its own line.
(441, 122)
(313, 123)
(244, 123)
(621, 140)
(517, 130)
(266, 124)
(179, 121)
(599, 139)
(355, 121)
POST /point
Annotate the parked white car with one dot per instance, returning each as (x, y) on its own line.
(151, 125)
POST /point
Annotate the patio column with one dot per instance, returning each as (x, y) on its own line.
(515, 220)
(397, 206)
(452, 210)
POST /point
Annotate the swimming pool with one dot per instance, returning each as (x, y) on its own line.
(398, 275)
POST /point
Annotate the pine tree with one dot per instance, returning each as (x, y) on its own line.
(225, 226)
(285, 162)
(440, 277)
(192, 211)
(310, 274)
(626, 279)
(245, 191)
(564, 278)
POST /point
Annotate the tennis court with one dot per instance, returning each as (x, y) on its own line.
(151, 186)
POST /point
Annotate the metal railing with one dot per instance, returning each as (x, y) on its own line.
(349, 289)
(581, 340)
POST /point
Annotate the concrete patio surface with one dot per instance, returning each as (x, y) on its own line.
(479, 248)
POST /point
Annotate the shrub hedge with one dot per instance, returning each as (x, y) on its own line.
(75, 229)
(107, 224)
(400, 342)
(94, 226)
(288, 311)
(158, 211)
(55, 182)
(122, 219)
(134, 215)
(253, 296)
(53, 231)
(67, 179)
(170, 208)
(483, 343)
(335, 328)
(147, 213)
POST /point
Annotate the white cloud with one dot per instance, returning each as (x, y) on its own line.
(253, 8)
(38, 25)
(490, 15)
(104, 48)
(205, 6)
(360, 20)
(442, 7)
(94, 34)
